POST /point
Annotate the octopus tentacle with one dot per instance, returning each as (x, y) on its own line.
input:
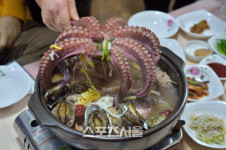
(92, 24)
(144, 36)
(86, 27)
(133, 50)
(119, 60)
(76, 32)
(69, 47)
(89, 23)
(113, 24)
(79, 32)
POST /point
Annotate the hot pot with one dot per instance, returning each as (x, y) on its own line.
(169, 62)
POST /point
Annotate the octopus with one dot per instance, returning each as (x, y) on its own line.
(115, 42)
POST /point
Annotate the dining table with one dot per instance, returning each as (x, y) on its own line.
(8, 137)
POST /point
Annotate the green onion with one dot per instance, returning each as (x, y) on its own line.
(106, 47)
(155, 92)
(221, 46)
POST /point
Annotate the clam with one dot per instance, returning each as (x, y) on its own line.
(96, 117)
(132, 117)
(64, 112)
(56, 94)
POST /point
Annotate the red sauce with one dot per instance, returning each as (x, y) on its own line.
(220, 69)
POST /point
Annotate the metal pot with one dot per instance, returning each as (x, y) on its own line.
(169, 62)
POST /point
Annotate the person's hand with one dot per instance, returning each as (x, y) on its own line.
(56, 14)
(10, 28)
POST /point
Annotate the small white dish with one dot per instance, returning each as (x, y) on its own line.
(205, 73)
(225, 85)
(191, 46)
(174, 46)
(213, 58)
(162, 24)
(15, 84)
(216, 108)
(187, 20)
(213, 43)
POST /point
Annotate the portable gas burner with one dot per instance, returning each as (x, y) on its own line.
(34, 137)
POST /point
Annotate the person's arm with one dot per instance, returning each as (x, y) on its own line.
(56, 14)
(10, 29)
(13, 14)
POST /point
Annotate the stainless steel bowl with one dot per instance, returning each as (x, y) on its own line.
(169, 62)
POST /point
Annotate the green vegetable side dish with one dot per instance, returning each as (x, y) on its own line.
(221, 46)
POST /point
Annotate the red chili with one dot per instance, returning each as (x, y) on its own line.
(166, 113)
(80, 111)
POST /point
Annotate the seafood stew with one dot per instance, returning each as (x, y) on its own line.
(75, 112)
(169, 63)
(114, 82)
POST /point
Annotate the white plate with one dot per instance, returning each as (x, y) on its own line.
(174, 46)
(213, 42)
(216, 108)
(191, 46)
(162, 24)
(187, 20)
(15, 84)
(213, 58)
(205, 73)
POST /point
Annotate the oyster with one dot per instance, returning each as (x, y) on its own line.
(64, 112)
(56, 94)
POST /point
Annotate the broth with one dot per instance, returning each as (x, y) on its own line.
(146, 112)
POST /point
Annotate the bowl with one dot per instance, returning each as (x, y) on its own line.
(168, 62)
(214, 59)
(187, 20)
(191, 46)
(216, 108)
(162, 24)
(204, 73)
(213, 43)
(174, 46)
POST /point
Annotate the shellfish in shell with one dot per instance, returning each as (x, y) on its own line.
(56, 94)
(96, 117)
(64, 112)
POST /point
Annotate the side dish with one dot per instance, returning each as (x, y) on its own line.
(197, 89)
(221, 46)
(220, 69)
(209, 128)
(200, 27)
(202, 52)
